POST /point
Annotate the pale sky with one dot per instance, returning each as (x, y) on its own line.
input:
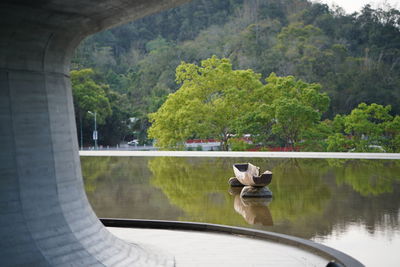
(351, 6)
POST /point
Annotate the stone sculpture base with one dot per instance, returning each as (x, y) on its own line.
(234, 182)
(252, 191)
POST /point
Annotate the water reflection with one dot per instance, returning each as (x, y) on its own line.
(189, 182)
(367, 177)
(253, 210)
(298, 188)
(311, 198)
(120, 188)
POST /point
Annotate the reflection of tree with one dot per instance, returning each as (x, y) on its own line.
(97, 169)
(118, 187)
(92, 169)
(199, 187)
(298, 190)
(367, 177)
(310, 197)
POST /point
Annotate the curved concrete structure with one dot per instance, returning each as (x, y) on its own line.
(45, 218)
(329, 254)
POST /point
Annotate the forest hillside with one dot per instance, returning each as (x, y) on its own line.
(354, 57)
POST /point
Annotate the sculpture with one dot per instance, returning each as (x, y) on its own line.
(254, 185)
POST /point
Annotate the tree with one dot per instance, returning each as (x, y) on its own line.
(392, 134)
(88, 96)
(292, 119)
(367, 128)
(211, 98)
(338, 142)
(302, 50)
(117, 125)
(315, 138)
(365, 120)
(287, 107)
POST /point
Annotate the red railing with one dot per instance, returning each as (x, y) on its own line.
(275, 149)
(197, 141)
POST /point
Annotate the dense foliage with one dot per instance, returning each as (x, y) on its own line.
(354, 57)
(216, 102)
(366, 128)
(209, 104)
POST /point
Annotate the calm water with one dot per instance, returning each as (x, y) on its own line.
(351, 205)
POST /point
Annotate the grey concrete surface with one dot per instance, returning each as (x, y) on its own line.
(205, 249)
(45, 218)
(218, 244)
(230, 154)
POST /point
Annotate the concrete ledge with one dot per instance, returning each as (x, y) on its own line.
(315, 248)
(229, 154)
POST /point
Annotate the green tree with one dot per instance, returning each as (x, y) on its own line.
(117, 125)
(392, 134)
(89, 96)
(366, 129)
(210, 100)
(365, 120)
(315, 138)
(338, 143)
(286, 107)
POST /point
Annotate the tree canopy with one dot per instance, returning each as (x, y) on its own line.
(113, 110)
(367, 128)
(215, 101)
(89, 95)
(211, 98)
(287, 107)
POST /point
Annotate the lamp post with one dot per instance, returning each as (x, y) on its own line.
(95, 135)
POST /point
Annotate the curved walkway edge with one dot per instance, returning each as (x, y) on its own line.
(239, 154)
(310, 246)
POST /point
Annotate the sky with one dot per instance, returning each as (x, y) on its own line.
(351, 6)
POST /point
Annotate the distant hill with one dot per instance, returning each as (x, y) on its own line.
(355, 57)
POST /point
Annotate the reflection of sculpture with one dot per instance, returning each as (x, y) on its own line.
(253, 210)
(247, 175)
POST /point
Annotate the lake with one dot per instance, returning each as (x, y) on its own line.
(350, 205)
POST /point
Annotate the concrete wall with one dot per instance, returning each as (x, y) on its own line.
(45, 218)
